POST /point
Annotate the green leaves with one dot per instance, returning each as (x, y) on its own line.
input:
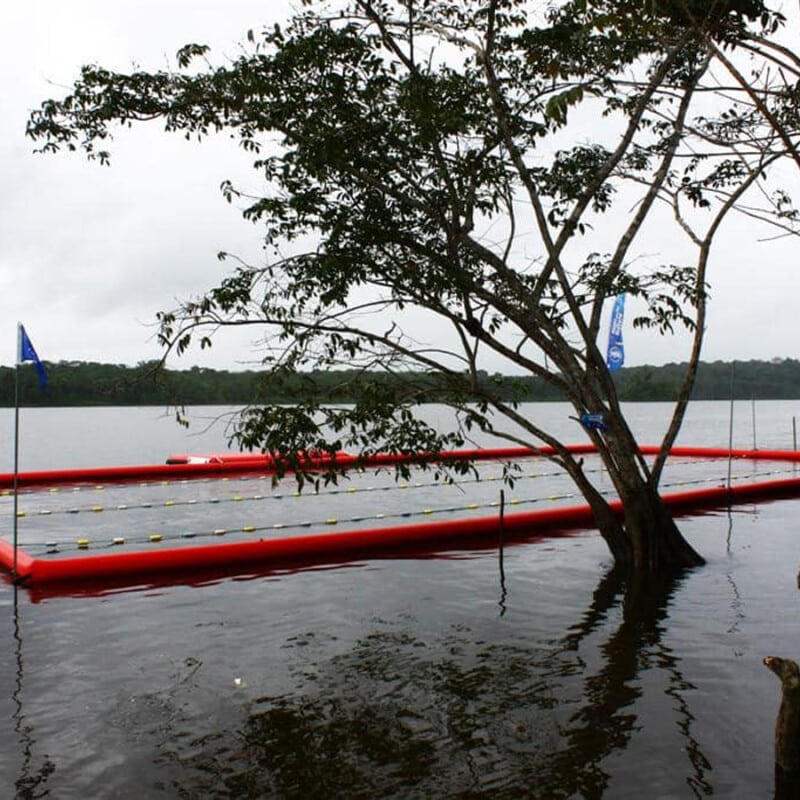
(189, 52)
(556, 108)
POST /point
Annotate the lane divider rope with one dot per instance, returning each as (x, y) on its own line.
(84, 543)
(350, 490)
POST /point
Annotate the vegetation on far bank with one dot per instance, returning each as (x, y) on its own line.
(90, 384)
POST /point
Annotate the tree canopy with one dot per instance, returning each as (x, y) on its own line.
(480, 167)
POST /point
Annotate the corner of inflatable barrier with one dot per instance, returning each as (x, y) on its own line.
(24, 564)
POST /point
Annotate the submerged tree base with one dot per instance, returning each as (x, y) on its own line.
(646, 541)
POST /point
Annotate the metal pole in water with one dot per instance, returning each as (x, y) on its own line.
(794, 433)
(753, 410)
(502, 602)
(730, 425)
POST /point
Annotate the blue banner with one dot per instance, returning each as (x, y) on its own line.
(594, 421)
(615, 356)
(27, 354)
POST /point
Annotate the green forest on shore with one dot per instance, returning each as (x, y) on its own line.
(92, 384)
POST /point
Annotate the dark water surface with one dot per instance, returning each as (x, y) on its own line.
(457, 676)
(489, 673)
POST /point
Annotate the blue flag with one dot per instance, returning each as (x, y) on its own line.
(615, 356)
(27, 353)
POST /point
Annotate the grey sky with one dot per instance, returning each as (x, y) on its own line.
(88, 254)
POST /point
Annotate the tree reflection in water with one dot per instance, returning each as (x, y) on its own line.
(396, 716)
(606, 719)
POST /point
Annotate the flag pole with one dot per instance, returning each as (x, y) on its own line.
(25, 352)
(16, 462)
(17, 360)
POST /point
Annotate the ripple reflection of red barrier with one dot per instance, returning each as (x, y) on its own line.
(361, 543)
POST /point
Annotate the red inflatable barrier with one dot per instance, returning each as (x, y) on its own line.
(359, 542)
(721, 452)
(321, 546)
(205, 465)
(213, 464)
(375, 459)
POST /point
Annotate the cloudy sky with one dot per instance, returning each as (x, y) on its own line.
(89, 254)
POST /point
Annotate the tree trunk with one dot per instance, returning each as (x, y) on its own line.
(644, 540)
(656, 543)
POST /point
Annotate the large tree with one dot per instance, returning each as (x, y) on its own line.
(489, 166)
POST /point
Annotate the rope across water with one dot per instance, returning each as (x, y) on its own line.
(52, 546)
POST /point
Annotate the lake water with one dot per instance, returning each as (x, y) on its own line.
(59, 438)
(481, 673)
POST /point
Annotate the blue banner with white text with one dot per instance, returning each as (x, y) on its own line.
(615, 356)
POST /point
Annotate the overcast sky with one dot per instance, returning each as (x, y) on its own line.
(89, 254)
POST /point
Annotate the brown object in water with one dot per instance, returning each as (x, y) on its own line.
(787, 727)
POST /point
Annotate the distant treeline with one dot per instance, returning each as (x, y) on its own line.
(87, 384)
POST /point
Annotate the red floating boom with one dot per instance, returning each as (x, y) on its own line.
(354, 543)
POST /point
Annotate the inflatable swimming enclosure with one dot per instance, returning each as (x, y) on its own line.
(271, 546)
